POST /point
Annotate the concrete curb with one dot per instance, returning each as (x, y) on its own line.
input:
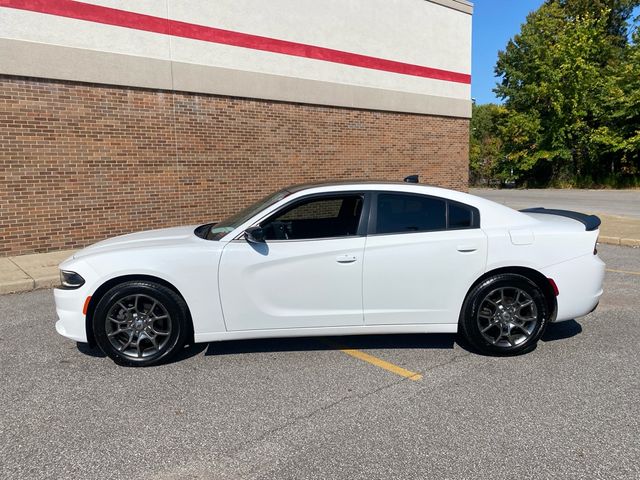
(31, 272)
(625, 242)
(29, 285)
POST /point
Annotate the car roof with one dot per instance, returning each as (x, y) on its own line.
(342, 183)
(368, 185)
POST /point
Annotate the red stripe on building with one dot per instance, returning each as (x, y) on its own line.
(149, 23)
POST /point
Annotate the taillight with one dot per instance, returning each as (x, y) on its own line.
(556, 292)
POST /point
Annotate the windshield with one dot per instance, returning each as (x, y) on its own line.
(229, 224)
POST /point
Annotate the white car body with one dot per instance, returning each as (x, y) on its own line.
(413, 282)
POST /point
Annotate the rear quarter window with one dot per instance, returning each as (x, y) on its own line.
(460, 216)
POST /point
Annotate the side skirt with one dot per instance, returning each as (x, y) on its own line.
(327, 331)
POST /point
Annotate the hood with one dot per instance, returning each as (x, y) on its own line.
(150, 238)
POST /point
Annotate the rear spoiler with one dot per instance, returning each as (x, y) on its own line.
(590, 222)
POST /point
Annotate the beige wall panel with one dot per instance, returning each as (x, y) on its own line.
(197, 78)
(460, 5)
(411, 31)
(157, 8)
(201, 53)
(68, 32)
(61, 63)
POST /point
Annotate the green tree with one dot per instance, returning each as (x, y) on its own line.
(623, 131)
(618, 14)
(631, 108)
(485, 151)
(559, 76)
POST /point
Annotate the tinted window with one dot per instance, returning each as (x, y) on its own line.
(459, 216)
(219, 230)
(320, 217)
(398, 213)
(318, 210)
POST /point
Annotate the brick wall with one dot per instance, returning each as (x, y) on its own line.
(80, 162)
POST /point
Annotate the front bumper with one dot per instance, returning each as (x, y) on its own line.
(71, 321)
(579, 284)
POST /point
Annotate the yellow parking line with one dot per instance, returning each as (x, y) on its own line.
(622, 271)
(378, 362)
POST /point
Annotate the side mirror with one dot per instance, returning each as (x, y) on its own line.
(254, 235)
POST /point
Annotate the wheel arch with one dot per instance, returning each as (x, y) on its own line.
(109, 284)
(534, 275)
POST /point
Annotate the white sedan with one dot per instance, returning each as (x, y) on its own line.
(336, 259)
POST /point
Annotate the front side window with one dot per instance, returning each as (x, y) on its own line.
(400, 213)
(317, 217)
(219, 230)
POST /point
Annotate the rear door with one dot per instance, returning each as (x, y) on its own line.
(422, 254)
(308, 273)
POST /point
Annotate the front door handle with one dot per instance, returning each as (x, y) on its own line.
(345, 259)
(467, 248)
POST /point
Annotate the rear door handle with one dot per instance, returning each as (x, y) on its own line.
(467, 248)
(345, 259)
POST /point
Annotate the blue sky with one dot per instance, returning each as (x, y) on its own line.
(494, 23)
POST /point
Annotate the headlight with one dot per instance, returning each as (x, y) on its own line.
(70, 280)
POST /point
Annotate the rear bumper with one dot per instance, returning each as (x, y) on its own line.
(579, 284)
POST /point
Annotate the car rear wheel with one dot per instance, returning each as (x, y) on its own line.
(505, 314)
(140, 323)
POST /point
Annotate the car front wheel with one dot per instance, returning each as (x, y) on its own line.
(505, 314)
(140, 323)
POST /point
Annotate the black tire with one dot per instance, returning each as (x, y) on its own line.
(151, 315)
(482, 319)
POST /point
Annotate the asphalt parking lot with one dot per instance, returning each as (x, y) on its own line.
(612, 202)
(302, 408)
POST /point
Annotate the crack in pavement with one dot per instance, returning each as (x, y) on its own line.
(239, 449)
(244, 446)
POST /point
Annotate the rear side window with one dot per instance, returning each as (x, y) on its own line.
(399, 213)
(460, 216)
(407, 213)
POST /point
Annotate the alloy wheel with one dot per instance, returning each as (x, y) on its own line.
(507, 317)
(138, 326)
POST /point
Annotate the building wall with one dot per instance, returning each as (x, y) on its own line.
(118, 116)
(84, 162)
(397, 55)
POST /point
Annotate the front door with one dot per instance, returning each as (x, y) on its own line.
(308, 272)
